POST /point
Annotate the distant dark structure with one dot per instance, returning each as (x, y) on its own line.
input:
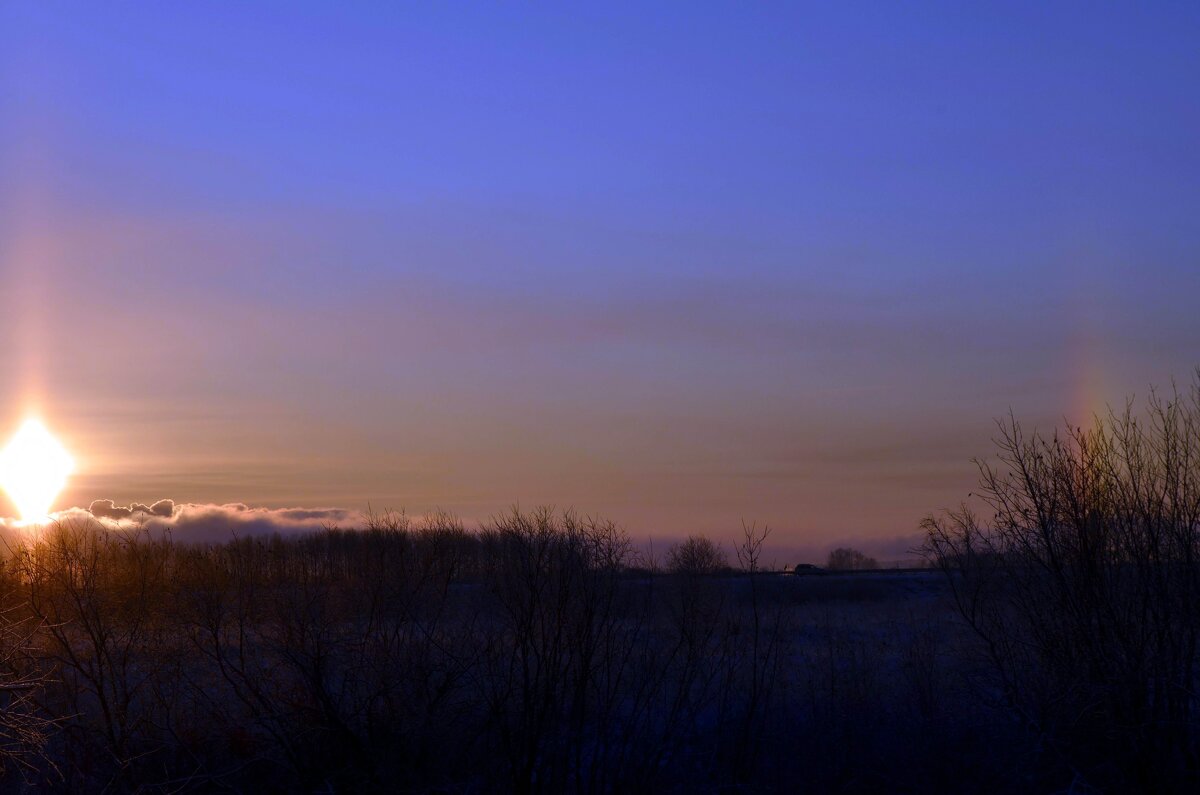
(807, 569)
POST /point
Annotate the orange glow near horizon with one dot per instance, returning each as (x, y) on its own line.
(33, 470)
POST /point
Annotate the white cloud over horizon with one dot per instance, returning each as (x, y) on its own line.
(205, 522)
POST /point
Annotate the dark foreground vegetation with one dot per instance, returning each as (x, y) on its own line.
(1082, 583)
(537, 654)
(1055, 650)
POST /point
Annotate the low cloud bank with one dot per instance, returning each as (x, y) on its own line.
(204, 523)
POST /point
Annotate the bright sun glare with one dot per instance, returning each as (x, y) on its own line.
(33, 470)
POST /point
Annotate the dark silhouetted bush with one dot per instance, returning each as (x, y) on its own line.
(1083, 582)
(696, 555)
(846, 559)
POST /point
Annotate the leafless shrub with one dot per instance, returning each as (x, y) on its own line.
(1084, 585)
(96, 598)
(696, 555)
(847, 559)
(562, 646)
(25, 729)
(754, 674)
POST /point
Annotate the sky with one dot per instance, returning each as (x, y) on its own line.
(680, 265)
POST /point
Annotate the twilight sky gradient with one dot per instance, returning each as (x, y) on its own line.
(678, 266)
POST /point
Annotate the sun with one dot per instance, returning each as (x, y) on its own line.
(33, 470)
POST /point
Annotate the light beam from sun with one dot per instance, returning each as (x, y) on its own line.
(33, 470)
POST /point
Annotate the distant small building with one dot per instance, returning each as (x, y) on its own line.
(807, 568)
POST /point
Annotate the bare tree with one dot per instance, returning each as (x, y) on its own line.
(25, 729)
(98, 599)
(759, 660)
(847, 559)
(1083, 581)
(696, 555)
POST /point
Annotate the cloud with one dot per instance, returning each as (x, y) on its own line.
(107, 509)
(160, 508)
(220, 522)
(208, 522)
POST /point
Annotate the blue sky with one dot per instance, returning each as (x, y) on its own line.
(679, 264)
